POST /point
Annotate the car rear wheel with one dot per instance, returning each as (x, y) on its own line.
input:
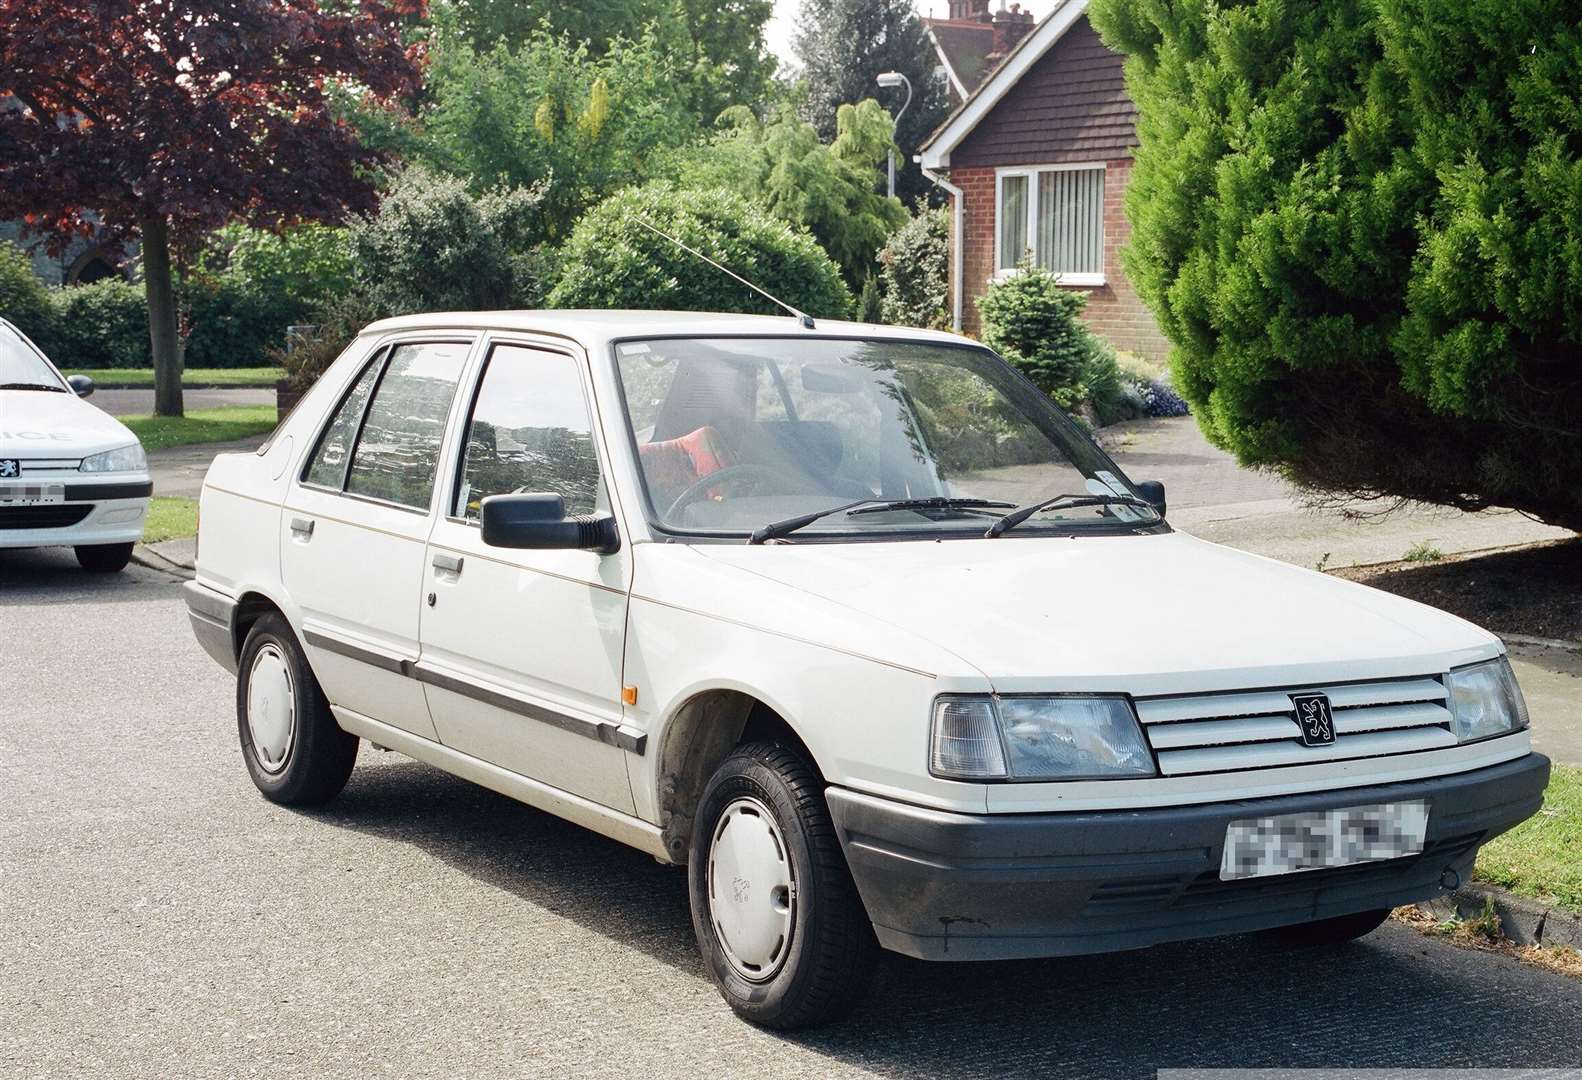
(1336, 931)
(779, 922)
(295, 752)
(104, 558)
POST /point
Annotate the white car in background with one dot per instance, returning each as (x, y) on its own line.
(71, 475)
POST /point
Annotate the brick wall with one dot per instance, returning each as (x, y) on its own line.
(1114, 310)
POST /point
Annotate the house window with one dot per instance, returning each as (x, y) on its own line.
(1052, 216)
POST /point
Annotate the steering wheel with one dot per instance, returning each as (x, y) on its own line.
(728, 475)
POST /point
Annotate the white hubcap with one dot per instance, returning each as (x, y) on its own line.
(271, 709)
(752, 894)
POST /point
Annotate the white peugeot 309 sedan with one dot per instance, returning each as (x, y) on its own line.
(71, 475)
(855, 624)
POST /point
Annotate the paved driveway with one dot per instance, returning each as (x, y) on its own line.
(162, 919)
(1212, 497)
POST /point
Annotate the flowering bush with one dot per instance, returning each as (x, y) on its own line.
(1158, 399)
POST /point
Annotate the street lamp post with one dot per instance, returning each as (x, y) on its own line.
(887, 80)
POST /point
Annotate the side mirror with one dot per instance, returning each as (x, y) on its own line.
(1154, 492)
(80, 385)
(539, 522)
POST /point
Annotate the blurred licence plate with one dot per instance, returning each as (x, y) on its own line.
(1290, 842)
(26, 494)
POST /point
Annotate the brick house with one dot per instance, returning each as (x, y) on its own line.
(970, 42)
(1036, 161)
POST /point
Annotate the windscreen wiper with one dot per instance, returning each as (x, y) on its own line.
(776, 529)
(32, 386)
(1021, 514)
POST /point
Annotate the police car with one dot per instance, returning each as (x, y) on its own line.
(70, 474)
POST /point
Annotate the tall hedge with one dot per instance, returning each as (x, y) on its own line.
(103, 325)
(24, 299)
(611, 261)
(1360, 224)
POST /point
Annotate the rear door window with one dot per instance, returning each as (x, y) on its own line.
(328, 468)
(397, 452)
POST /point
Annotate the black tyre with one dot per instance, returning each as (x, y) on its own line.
(1336, 931)
(104, 558)
(782, 930)
(295, 752)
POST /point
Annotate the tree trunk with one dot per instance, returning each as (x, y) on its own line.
(163, 336)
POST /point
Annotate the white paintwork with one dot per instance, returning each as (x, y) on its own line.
(50, 434)
(547, 627)
(848, 642)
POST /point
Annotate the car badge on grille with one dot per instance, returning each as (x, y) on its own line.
(10, 468)
(1314, 717)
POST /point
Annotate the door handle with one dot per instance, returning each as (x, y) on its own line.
(302, 528)
(450, 564)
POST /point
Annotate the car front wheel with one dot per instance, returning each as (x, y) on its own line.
(778, 920)
(295, 752)
(104, 558)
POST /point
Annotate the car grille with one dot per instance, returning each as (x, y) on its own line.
(42, 517)
(1210, 733)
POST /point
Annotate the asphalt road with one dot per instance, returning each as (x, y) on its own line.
(162, 919)
(140, 402)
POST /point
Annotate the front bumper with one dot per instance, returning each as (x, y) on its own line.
(947, 886)
(94, 512)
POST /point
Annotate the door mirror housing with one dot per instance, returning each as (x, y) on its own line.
(539, 522)
(80, 385)
(1154, 492)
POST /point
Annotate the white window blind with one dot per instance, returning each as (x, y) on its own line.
(1056, 218)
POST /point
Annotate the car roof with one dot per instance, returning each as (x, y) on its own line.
(595, 328)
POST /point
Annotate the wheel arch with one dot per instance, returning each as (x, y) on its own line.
(705, 727)
(252, 605)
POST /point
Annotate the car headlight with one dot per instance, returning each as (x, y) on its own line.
(125, 459)
(1037, 738)
(1485, 701)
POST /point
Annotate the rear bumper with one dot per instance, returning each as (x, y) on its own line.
(106, 512)
(212, 615)
(946, 886)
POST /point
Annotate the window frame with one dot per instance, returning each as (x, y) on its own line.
(380, 355)
(464, 421)
(1031, 172)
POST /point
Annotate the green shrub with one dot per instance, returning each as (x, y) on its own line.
(103, 325)
(914, 272)
(435, 246)
(612, 261)
(335, 323)
(1359, 222)
(1033, 322)
(870, 309)
(251, 285)
(24, 299)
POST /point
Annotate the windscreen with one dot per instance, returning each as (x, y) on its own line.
(20, 365)
(734, 433)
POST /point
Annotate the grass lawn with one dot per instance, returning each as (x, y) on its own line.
(192, 377)
(1542, 857)
(170, 517)
(202, 426)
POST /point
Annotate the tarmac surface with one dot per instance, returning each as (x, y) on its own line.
(163, 919)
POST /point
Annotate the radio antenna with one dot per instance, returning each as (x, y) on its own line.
(801, 316)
